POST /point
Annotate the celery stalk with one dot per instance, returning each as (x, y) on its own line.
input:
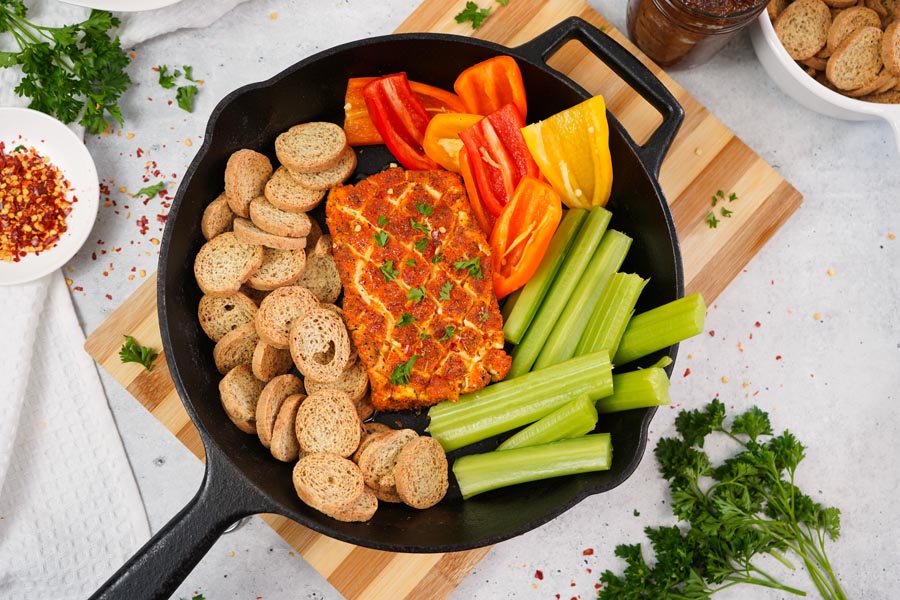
(574, 419)
(477, 473)
(568, 329)
(661, 327)
(519, 309)
(636, 389)
(607, 321)
(560, 291)
(512, 403)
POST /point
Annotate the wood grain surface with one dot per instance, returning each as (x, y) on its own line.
(704, 158)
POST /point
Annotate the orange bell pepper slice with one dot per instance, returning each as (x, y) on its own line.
(442, 143)
(490, 84)
(522, 234)
(358, 124)
(484, 219)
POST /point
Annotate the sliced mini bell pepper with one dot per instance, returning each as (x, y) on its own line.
(522, 234)
(400, 119)
(358, 125)
(442, 143)
(498, 157)
(572, 150)
(490, 84)
(484, 219)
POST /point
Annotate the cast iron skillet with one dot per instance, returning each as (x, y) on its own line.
(241, 477)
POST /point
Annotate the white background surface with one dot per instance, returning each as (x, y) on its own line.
(824, 358)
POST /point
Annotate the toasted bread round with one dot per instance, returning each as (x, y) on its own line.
(311, 147)
(284, 192)
(255, 295)
(387, 495)
(321, 276)
(848, 21)
(278, 311)
(889, 97)
(217, 218)
(236, 348)
(245, 230)
(320, 345)
(268, 361)
(239, 391)
(330, 177)
(327, 482)
(246, 174)
(802, 27)
(271, 398)
(369, 431)
(284, 445)
(361, 510)
(327, 422)
(314, 235)
(278, 268)
(353, 381)
(840, 3)
(378, 458)
(857, 61)
(224, 263)
(890, 48)
(421, 473)
(272, 219)
(220, 314)
(884, 80)
(774, 8)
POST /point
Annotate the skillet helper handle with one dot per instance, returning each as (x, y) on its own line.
(625, 65)
(162, 564)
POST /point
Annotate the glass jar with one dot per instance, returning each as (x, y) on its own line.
(687, 33)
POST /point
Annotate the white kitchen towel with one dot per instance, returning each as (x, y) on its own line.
(70, 511)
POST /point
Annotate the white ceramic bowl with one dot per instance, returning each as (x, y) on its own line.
(807, 91)
(65, 150)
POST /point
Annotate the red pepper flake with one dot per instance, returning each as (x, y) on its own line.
(140, 152)
(33, 203)
(757, 324)
(93, 256)
(687, 372)
(108, 297)
(777, 357)
(712, 333)
(142, 224)
(587, 552)
(538, 574)
(78, 288)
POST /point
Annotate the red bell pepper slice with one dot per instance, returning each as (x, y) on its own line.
(484, 219)
(358, 125)
(490, 84)
(400, 119)
(522, 234)
(498, 157)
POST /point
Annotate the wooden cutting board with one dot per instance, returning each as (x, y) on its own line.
(704, 158)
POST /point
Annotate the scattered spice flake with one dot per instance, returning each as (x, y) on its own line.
(130, 136)
(757, 324)
(745, 384)
(891, 236)
(712, 333)
(108, 296)
(188, 142)
(143, 227)
(777, 357)
(587, 552)
(687, 372)
(817, 316)
(724, 378)
(142, 273)
(538, 574)
(273, 16)
(154, 241)
(830, 272)
(68, 281)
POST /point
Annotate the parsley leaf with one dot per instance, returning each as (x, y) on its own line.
(473, 265)
(388, 270)
(151, 190)
(19, 148)
(445, 290)
(711, 220)
(410, 263)
(131, 351)
(423, 335)
(424, 209)
(449, 332)
(188, 72)
(165, 80)
(437, 258)
(419, 227)
(484, 316)
(382, 220)
(416, 294)
(405, 319)
(474, 13)
(725, 212)
(381, 238)
(184, 95)
(400, 374)
(421, 244)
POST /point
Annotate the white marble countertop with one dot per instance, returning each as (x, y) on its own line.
(810, 331)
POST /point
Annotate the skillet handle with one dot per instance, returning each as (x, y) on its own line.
(625, 65)
(159, 567)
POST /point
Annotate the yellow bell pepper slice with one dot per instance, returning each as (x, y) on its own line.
(571, 149)
(442, 143)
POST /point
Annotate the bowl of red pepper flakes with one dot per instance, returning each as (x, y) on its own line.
(49, 195)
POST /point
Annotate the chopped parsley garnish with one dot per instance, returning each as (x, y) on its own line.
(445, 290)
(188, 72)
(388, 270)
(400, 374)
(419, 227)
(473, 13)
(416, 294)
(165, 79)
(19, 148)
(382, 220)
(410, 263)
(421, 244)
(725, 212)
(484, 316)
(437, 258)
(405, 319)
(473, 265)
(424, 209)
(184, 95)
(449, 332)
(151, 190)
(131, 351)
(423, 335)
(381, 238)
(711, 220)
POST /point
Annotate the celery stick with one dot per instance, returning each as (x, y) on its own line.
(661, 327)
(512, 403)
(611, 314)
(574, 419)
(636, 389)
(528, 299)
(510, 303)
(477, 473)
(566, 333)
(561, 289)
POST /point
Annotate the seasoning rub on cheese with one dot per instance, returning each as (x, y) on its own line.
(418, 298)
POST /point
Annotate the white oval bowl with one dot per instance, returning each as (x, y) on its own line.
(58, 143)
(794, 81)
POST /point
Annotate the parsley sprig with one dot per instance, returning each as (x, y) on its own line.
(74, 72)
(131, 351)
(476, 14)
(746, 507)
